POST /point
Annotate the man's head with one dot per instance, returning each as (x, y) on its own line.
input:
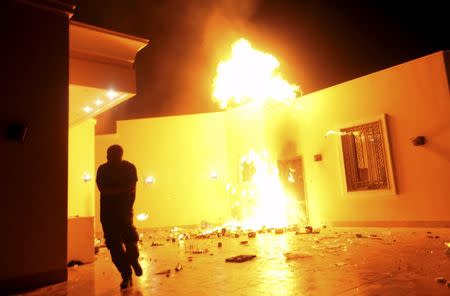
(114, 154)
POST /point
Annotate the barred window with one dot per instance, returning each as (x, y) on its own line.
(364, 152)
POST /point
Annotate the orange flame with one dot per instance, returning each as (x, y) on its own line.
(250, 75)
(264, 202)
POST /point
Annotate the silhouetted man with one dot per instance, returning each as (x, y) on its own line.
(116, 181)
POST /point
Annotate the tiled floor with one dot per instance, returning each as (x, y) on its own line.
(398, 261)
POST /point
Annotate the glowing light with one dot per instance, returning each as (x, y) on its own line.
(87, 177)
(98, 102)
(142, 217)
(291, 178)
(150, 180)
(339, 133)
(250, 75)
(111, 94)
(87, 109)
(268, 204)
(214, 175)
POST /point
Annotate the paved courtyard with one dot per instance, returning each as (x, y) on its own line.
(338, 261)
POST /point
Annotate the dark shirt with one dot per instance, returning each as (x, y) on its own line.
(117, 206)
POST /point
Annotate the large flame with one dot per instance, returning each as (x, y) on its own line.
(262, 201)
(250, 75)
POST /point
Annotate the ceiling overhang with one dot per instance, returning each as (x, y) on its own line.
(101, 62)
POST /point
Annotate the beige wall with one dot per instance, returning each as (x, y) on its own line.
(415, 97)
(180, 151)
(81, 194)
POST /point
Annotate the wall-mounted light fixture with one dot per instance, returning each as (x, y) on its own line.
(16, 132)
(150, 180)
(419, 141)
(214, 175)
(86, 177)
(142, 216)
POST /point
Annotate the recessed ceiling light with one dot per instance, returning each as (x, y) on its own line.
(98, 102)
(111, 94)
(87, 109)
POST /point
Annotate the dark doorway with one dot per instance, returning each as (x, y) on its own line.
(291, 175)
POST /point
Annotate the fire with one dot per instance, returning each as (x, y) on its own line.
(142, 217)
(263, 200)
(250, 75)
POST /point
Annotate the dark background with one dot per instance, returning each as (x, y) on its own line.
(319, 43)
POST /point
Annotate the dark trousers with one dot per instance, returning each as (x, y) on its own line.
(121, 239)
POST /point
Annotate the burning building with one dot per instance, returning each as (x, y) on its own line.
(373, 151)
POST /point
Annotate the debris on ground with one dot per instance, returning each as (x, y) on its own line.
(189, 258)
(359, 235)
(156, 244)
(440, 280)
(279, 230)
(340, 264)
(219, 244)
(74, 263)
(308, 229)
(432, 236)
(244, 242)
(240, 258)
(200, 251)
(167, 271)
(178, 267)
(252, 234)
(298, 255)
(448, 248)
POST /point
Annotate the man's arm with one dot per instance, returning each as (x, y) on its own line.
(115, 189)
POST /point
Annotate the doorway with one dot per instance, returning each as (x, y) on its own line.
(292, 178)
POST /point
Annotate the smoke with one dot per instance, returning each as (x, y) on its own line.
(195, 39)
(187, 40)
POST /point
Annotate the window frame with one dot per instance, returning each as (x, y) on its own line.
(392, 189)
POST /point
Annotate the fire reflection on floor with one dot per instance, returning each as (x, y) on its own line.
(363, 261)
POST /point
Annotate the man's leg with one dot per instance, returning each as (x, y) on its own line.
(114, 244)
(130, 239)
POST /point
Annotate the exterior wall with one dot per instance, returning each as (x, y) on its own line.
(34, 175)
(415, 97)
(81, 161)
(177, 150)
(180, 152)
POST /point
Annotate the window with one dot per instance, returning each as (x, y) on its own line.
(365, 158)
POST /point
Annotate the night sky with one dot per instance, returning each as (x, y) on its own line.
(319, 43)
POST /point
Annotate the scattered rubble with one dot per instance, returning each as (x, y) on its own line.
(219, 244)
(178, 267)
(156, 244)
(200, 251)
(240, 258)
(279, 230)
(167, 271)
(298, 255)
(251, 234)
(244, 242)
(440, 280)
